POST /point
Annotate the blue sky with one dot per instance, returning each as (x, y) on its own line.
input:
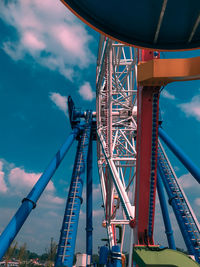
(47, 54)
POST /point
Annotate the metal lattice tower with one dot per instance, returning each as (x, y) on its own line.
(116, 130)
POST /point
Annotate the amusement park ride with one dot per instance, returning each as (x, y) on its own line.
(126, 126)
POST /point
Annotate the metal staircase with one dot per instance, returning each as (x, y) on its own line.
(66, 245)
(184, 214)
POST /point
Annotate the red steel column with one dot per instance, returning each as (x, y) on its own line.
(146, 164)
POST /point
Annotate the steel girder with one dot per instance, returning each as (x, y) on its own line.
(116, 132)
(66, 246)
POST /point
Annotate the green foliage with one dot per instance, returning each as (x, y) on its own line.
(32, 255)
(51, 252)
(10, 253)
(22, 253)
(44, 257)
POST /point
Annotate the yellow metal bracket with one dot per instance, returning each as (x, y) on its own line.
(158, 72)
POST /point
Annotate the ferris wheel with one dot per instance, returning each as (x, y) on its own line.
(132, 161)
(129, 151)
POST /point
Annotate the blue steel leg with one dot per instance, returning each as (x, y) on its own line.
(29, 202)
(176, 211)
(103, 255)
(192, 168)
(182, 210)
(165, 213)
(67, 242)
(89, 226)
(116, 256)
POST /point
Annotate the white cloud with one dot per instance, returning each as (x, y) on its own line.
(21, 182)
(96, 193)
(192, 108)
(3, 186)
(86, 92)
(197, 201)
(19, 179)
(31, 41)
(60, 101)
(49, 198)
(12, 50)
(191, 189)
(98, 213)
(53, 214)
(46, 218)
(166, 94)
(188, 181)
(176, 168)
(48, 32)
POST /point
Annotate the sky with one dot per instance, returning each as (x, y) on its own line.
(46, 54)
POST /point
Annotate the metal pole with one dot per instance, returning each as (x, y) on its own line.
(165, 213)
(192, 168)
(130, 258)
(89, 225)
(67, 242)
(116, 256)
(177, 213)
(29, 202)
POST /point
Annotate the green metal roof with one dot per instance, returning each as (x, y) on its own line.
(150, 257)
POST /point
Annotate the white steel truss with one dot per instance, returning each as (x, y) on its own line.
(116, 130)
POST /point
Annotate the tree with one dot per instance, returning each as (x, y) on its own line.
(51, 251)
(22, 253)
(32, 255)
(10, 253)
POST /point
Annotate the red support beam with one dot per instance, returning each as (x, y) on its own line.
(146, 164)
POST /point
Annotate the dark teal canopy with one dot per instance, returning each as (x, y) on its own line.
(157, 24)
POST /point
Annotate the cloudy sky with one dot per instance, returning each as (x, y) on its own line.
(47, 54)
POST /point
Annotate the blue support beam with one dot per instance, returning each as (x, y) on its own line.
(184, 215)
(176, 211)
(29, 202)
(165, 213)
(67, 242)
(103, 255)
(190, 166)
(116, 256)
(89, 226)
